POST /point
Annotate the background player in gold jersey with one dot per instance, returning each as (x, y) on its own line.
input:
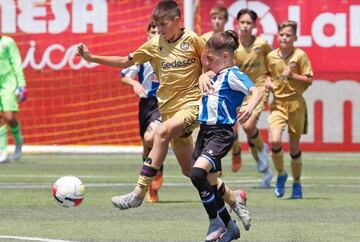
(250, 58)
(290, 74)
(175, 56)
(219, 16)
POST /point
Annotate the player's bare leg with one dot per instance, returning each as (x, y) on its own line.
(259, 150)
(236, 161)
(15, 129)
(296, 166)
(237, 202)
(167, 130)
(278, 160)
(148, 141)
(3, 140)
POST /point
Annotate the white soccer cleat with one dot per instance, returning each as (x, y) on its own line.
(263, 161)
(4, 157)
(239, 207)
(266, 179)
(18, 151)
(130, 200)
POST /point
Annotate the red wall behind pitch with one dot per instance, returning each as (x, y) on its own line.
(73, 104)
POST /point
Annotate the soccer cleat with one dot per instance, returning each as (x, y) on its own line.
(266, 179)
(280, 185)
(18, 151)
(4, 157)
(239, 207)
(152, 195)
(130, 200)
(263, 161)
(236, 162)
(232, 232)
(216, 229)
(296, 191)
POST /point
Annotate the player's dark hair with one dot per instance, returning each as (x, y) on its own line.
(151, 25)
(251, 13)
(227, 40)
(217, 10)
(166, 9)
(288, 23)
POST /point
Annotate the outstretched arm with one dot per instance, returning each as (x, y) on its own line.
(137, 87)
(246, 111)
(114, 61)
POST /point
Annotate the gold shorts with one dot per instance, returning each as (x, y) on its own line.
(188, 117)
(292, 113)
(260, 107)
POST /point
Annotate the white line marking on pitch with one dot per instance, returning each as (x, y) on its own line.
(243, 178)
(244, 183)
(32, 239)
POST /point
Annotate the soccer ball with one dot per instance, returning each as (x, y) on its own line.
(68, 191)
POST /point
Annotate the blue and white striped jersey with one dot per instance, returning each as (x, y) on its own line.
(230, 88)
(147, 77)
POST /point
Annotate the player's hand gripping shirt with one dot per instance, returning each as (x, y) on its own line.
(11, 71)
(177, 66)
(219, 107)
(298, 63)
(147, 78)
(251, 60)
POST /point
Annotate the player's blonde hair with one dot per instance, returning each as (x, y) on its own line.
(220, 10)
(288, 23)
(166, 9)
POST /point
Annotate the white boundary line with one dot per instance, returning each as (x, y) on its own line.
(32, 238)
(118, 149)
(244, 183)
(86, 149)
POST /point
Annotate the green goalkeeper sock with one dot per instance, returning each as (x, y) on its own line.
(3, 139)
(16, 132)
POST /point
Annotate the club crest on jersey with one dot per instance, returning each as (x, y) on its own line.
(293, 65)
(184, 46)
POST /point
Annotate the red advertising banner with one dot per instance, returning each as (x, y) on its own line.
(75, 102)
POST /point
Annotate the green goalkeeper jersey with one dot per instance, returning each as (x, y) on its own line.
(11, 72)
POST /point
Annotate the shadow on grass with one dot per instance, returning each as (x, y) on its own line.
(310, 198)
(177, 201)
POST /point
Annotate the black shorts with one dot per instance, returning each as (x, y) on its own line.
(213, 143)
(148, 113)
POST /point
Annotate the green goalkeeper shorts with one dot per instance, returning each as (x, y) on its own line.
(8, 102)
(8, 99)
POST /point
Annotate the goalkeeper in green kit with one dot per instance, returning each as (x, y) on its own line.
(12, 91)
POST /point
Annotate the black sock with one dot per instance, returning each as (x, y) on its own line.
(199, 179)
(221, 209)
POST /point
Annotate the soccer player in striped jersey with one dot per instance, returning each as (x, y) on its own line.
(175, 56)
(250, 58)
(217, 115)
(149, 115)
(289, 75)
(12, 91)
(219, 16)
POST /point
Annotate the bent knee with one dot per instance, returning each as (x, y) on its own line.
(198, 176)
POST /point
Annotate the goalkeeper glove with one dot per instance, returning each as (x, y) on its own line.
(21, 92)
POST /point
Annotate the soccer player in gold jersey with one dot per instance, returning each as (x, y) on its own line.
(250, 58)
(149, 116)
(175, 56)
(219, 16)
(290, 74)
